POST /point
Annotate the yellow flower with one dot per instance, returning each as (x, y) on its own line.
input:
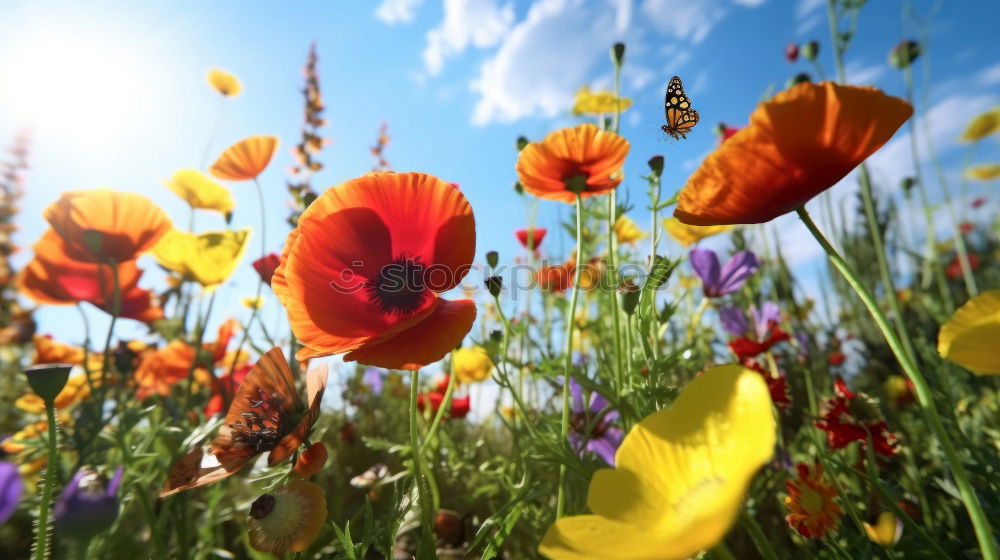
(598, 103)
(680, 477)
(207, 258)
(627, 231)
(471, 364)
(886, 531)
(200, 191)
(224, 82)
(982, 126)
(688, 235)
(984, 172)
(251, 302)
(970, 337)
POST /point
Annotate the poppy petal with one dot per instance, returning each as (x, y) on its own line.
(246, 159)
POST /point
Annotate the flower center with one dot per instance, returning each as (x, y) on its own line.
(399, 288)
(578, 421)
(811, 501)
(575, 182)
(262, 506)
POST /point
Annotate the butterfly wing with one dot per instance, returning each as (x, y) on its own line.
(315, 387)
(198, 468)
(681, 117)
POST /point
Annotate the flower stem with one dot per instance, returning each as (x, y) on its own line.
(923, 390)
(568, 351)
(42, 526)
(445, 402)
(199, 338)
(418, 464)
(502, 368)
(757, 536)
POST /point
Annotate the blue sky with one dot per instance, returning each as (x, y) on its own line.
(117, 95)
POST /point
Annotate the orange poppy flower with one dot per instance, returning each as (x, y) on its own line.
(362, 271)
(246, 159)
(50, 351)
(582, 159)
(159, 370)
(53, 278)
(555, 278)
(797, 145)
(265, 415)
(102, 225)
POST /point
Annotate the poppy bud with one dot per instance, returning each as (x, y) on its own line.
(656, 165)
(907, 185)
(88, 505)
(810, 50)
(798, 79)
(719, 129)
(618, 53)
(904, 53)
(630, 296)
(494, 284)
(312, 461)
(792, 52)
(521, 143)
(492, 259)
(518, 187)
(47, 380)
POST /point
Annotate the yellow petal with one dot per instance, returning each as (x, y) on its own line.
(981, 126)
(471, 364)
(984, 172)
(224, 82)
(970, 337)
(688, 235)
(598, 103)
(680, 477)
(626, 231)
(886, 531)
(207, 258)
(200, 191)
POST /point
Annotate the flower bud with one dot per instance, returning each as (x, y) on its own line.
(492, 259)
(521, 143)
(656, 165)
(904, 53)
(907, 185)
(618, 53)
(792, 52)
(797, 79)
(494, 284)
(810, 50)
(88, 505)
(449, 527)
(47, 380)
(630, 296)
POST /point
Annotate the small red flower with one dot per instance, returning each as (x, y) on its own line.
(954, 269)
(977, 202)
(224, 388)
(266, 265)
(727, 133)
(459, 405)
(837, 358)
(745, 349)
(777, 386)
(537, 235)
(792, 52)
(848, 418)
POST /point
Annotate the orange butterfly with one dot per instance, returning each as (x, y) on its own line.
(266, 415)
(681, 117)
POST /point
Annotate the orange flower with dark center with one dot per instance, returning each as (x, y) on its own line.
(101, 225)
(797, 145)
(246, 159)
(53, 278)
(583, 159)
(362, 271)
(266, 415)
(813, 512)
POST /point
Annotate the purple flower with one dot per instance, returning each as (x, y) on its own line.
(11, 489)
(88, 505)
(768, 313)
(602, 438)
(717, 281)
(373, 379)
(734, 321)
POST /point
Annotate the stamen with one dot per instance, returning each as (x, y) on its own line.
(399, 288)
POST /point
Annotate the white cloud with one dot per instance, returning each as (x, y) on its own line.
(806, 8)
(479, 23)
(533, 73)
(989, 76)
(683, 19)
(861, 75)
(808, 15)
(397, 11)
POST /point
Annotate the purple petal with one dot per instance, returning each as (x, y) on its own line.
(768, 313)
(575, 441)
(597, 402)
(577, 392)
(114, 483)
(734, 321)
(706, 266)
(11, 489)
(736, 271)
(605, 447)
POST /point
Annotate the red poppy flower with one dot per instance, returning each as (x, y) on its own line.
(977, 202)
(102, 225)
(798, 144)
(363, 271)
(537, 235)
(954, 268)
(847, 418)
(266, 265)
(967, 227)
(459, 405)
(556, 278)
(745, 348)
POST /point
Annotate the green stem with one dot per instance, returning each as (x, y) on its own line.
(568, 351)
(923, 391)
(613, 292)
(116, 302)
(502, 368)
(199, 338)
(757, 535)
(445, 402)
(42, 526)
(418, 464)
